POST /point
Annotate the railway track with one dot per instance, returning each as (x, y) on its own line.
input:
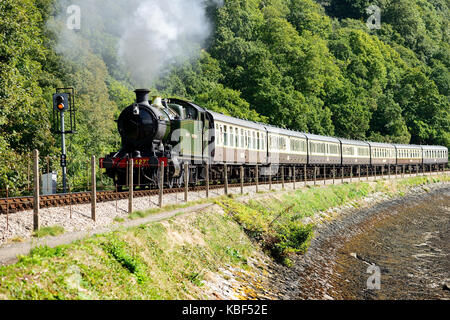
(19, 204)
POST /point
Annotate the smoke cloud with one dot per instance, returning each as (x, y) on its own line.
(142, 38)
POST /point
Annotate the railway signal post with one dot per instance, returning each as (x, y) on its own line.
(93, 191)
(36, 191)
(64, 101)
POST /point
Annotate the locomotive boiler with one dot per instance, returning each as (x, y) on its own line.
(164, 132)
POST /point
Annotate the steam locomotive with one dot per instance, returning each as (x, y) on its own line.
(174, 133)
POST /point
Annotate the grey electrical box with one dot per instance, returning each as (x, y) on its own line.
(49, 183)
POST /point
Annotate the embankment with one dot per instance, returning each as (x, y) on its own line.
(238, 249)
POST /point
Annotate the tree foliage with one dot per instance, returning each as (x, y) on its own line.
(306, 65)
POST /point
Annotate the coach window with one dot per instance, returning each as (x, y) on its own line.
(231, 136)
(334, 149)
(258, 142)
(242, 139)
(246, 138)
(221, 136)
(225, 136)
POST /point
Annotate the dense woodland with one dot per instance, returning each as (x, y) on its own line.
(312, 66)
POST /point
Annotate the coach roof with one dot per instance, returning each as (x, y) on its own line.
(236, 121)
(354, 142)
(321, 138)
(285, 132)
(381, 145)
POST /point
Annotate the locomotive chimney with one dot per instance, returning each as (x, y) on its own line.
(142, 96)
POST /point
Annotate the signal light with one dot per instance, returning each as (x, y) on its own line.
(61, 102)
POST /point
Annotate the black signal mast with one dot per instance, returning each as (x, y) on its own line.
(64, 101)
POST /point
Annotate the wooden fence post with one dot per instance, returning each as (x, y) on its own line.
(270, 177)
(257, 178)
(282, 177)
(305, 175)
(351, 173)
(93, 191)
(36, 190)
(342, 174)
(334, 174)
(242, 174)
(130, 185)
(207, 180)
(315, 175)
(161, 183)
(325, 175)
(294, 177)
(186, 181)
(225, 168)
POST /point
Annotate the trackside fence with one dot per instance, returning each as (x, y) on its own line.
(97, 188)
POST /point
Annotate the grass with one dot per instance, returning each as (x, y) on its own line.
(172, 259)
(49, 231)
(167, 260)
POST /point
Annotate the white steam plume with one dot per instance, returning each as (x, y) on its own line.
(148, 36)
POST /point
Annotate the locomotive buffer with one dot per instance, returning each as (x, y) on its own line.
(64, 101)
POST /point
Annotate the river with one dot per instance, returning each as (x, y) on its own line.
(398, 249)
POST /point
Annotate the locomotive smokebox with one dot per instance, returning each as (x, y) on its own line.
(142, 96)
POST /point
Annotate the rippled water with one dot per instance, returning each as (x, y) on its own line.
(411, 247)
(406, 239)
